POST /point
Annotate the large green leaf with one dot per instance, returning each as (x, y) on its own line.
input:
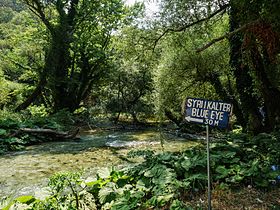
(186, 164)
(222, 172)
(104, 173)
(26, 199)
(107, 193)
(3, 132)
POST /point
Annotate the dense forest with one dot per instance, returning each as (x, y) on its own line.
(75, 63)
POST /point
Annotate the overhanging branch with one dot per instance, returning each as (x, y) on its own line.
(225, 36)
(183, 28)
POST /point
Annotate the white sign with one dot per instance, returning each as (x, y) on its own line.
(213, 113)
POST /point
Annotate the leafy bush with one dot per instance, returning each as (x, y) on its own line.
(38, 111)
(67, 191)
(9, 120)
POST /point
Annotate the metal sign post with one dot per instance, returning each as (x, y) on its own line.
(210, 113)
(208, 168)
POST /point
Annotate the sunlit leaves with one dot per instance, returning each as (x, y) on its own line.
(21, 50)
(178, 13)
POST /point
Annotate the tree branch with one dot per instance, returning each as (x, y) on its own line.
(226, 36)
(59, 5)
(37, 8)
(221, 9)
(72, 11)
(15, 62)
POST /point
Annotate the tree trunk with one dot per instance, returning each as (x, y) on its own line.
(172, 117)
(58, 63)
(244, 82)
(224, 94)
(33, 95)
(271, 95)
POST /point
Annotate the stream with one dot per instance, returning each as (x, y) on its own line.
(27, 172)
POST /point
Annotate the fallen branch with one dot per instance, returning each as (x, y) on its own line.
(50, 133)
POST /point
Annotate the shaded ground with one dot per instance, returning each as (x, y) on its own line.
(246, 198)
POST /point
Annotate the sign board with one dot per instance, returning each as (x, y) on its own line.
(212, 113)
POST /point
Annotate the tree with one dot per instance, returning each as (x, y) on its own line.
(79, 34)
(130, 84)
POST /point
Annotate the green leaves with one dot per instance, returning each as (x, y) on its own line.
(222, 172)
(3, 132)
(26, 199)
(107, 193)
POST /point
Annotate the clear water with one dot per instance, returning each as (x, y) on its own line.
(25, 172)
